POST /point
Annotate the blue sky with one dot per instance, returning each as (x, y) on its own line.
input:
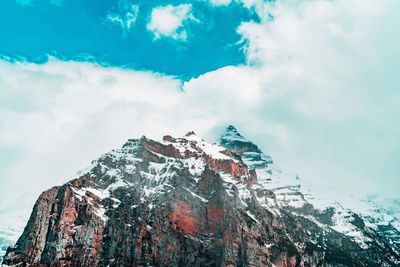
(314, 83)
(81, 29)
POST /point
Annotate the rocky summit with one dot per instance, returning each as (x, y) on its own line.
(186, 202)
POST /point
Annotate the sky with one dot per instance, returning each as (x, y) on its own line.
(125, 33)
(314, 83)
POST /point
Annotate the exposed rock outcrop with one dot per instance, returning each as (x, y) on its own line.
(185, 202)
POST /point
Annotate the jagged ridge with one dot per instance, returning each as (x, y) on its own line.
(185, 202)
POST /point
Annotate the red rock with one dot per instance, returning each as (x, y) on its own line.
(216, 217)
(191, 221)
(182, 220)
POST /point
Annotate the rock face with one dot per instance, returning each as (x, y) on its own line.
(185, 202)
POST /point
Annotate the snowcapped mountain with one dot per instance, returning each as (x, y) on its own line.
(186, 202)
(380, 214)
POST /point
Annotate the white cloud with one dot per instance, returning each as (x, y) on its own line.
(54, 115)
(328, 75)
(125, 16)
(169, 21)
(320, 88)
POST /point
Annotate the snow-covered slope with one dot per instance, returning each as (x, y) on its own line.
(380, 214)
(159, 202)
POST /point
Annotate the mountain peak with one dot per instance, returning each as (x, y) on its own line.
(190, 133)
(155, 202)
(233, 140)
(231, 134)
(231, 128)
(251, 154)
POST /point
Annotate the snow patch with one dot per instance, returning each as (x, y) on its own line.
(196, 195)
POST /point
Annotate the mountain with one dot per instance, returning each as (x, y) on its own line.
(186, 202)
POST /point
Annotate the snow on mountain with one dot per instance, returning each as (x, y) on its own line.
(184, 191)
(293, 191)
